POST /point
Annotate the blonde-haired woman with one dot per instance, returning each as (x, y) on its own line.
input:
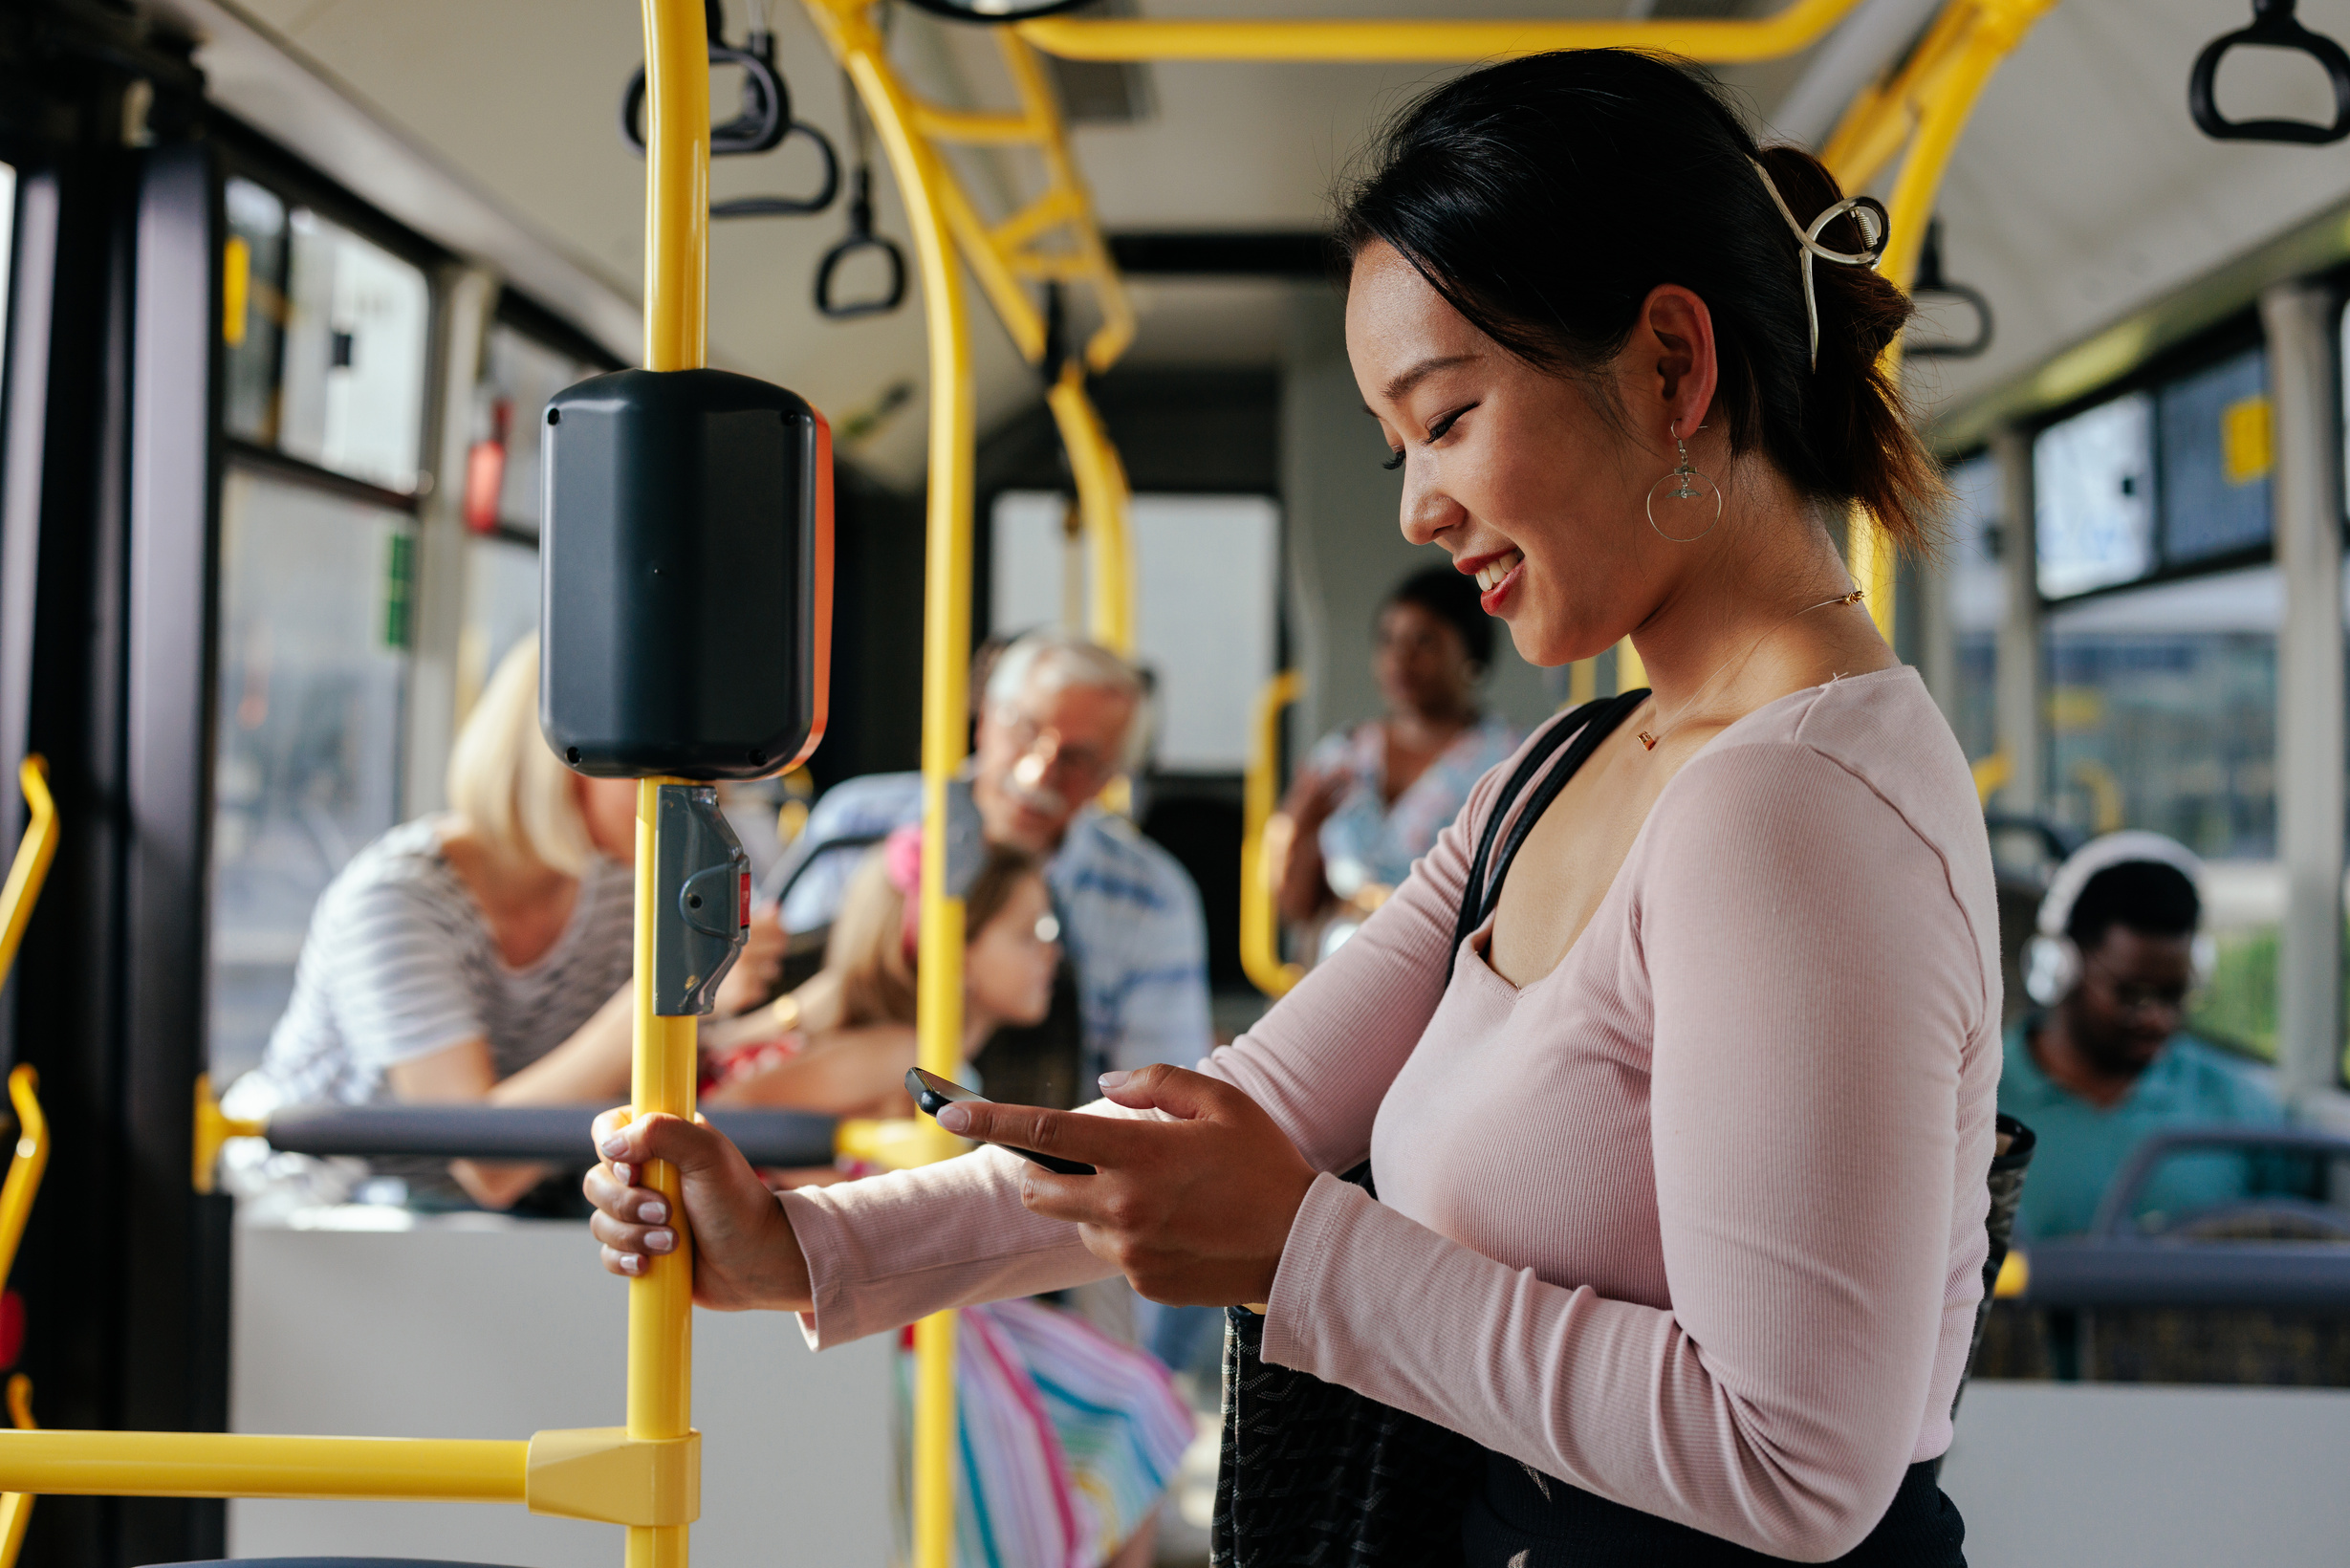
(481, 954)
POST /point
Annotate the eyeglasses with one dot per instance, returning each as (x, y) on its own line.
(1085, 768)
(2130, 997)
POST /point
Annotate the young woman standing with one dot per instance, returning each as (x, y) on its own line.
(1681, 1152)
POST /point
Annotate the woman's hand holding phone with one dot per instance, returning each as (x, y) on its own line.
(1194, 1206)
(744, 1254)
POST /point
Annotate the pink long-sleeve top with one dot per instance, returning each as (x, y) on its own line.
(1695, 1221)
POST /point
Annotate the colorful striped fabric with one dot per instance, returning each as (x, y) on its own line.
(1065, 1440)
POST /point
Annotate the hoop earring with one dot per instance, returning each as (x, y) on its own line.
(1688, 484)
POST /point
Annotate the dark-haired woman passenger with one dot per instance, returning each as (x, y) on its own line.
(1372, 796)
(1681, 1150)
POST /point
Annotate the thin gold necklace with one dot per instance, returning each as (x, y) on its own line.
(1649, 739)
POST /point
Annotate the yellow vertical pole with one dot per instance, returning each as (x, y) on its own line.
(1260, 928)
(946, 651)
(1582, 682)
(1630, 672)
(677, 118)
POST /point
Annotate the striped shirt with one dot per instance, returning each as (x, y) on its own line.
(1128, 912)
(400, 964)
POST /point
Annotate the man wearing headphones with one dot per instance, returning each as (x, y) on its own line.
(2106, 1064)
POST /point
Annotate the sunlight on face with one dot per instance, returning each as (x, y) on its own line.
(1516, 472)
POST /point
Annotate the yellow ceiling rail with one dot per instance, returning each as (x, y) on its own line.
(1431, 40)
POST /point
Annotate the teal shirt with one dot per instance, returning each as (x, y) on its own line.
(2082, 1148)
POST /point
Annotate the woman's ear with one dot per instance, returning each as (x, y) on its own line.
(1674, 368)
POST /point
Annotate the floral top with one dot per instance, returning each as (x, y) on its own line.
(1366, 840)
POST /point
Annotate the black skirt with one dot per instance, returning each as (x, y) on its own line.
(1520, 1518)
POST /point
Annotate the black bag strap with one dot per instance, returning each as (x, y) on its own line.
(1580, 733)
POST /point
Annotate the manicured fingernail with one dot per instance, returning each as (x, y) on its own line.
(615, 1146)
(632, 1263)
(954, 1118)
(659, 1241)
(654, 1212)
(1113, 1079)
(627, 1174)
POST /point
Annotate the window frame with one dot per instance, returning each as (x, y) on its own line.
(2239, 331)
(245, 154)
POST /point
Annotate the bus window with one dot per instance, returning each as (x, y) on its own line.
(2215, 460)
(1189, 550)
(327, 338)
(2092, 484)
(314, 631)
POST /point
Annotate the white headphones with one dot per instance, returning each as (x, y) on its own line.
(2052, 960)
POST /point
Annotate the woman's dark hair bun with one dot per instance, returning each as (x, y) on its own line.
(1545, 198)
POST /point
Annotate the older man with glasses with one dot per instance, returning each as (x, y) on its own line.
(1060, 718)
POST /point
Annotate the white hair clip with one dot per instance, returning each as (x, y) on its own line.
(1867, 212)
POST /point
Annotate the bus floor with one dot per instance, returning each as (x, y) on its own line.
(2150, 1476)
(367, 1321)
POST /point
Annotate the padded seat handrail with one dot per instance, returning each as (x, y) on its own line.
(2112, 1215)
(767, 1138)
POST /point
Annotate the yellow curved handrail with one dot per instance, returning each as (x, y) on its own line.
(1260, 932)
(25, 1170)
(1925, 106)
(1103, 499)
(34, 854)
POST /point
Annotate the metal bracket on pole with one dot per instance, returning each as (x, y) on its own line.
(703, 901)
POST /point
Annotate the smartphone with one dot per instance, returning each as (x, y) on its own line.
(934, 1094)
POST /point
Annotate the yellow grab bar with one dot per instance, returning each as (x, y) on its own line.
(24, 1177)
(30, 867)
(244, 1464)
(1260, 930)
(1464, 42)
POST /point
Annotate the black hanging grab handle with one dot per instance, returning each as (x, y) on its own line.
(766, 119)
(861, 237)
(2273, 27)
(1931, 281)
(790, 206)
